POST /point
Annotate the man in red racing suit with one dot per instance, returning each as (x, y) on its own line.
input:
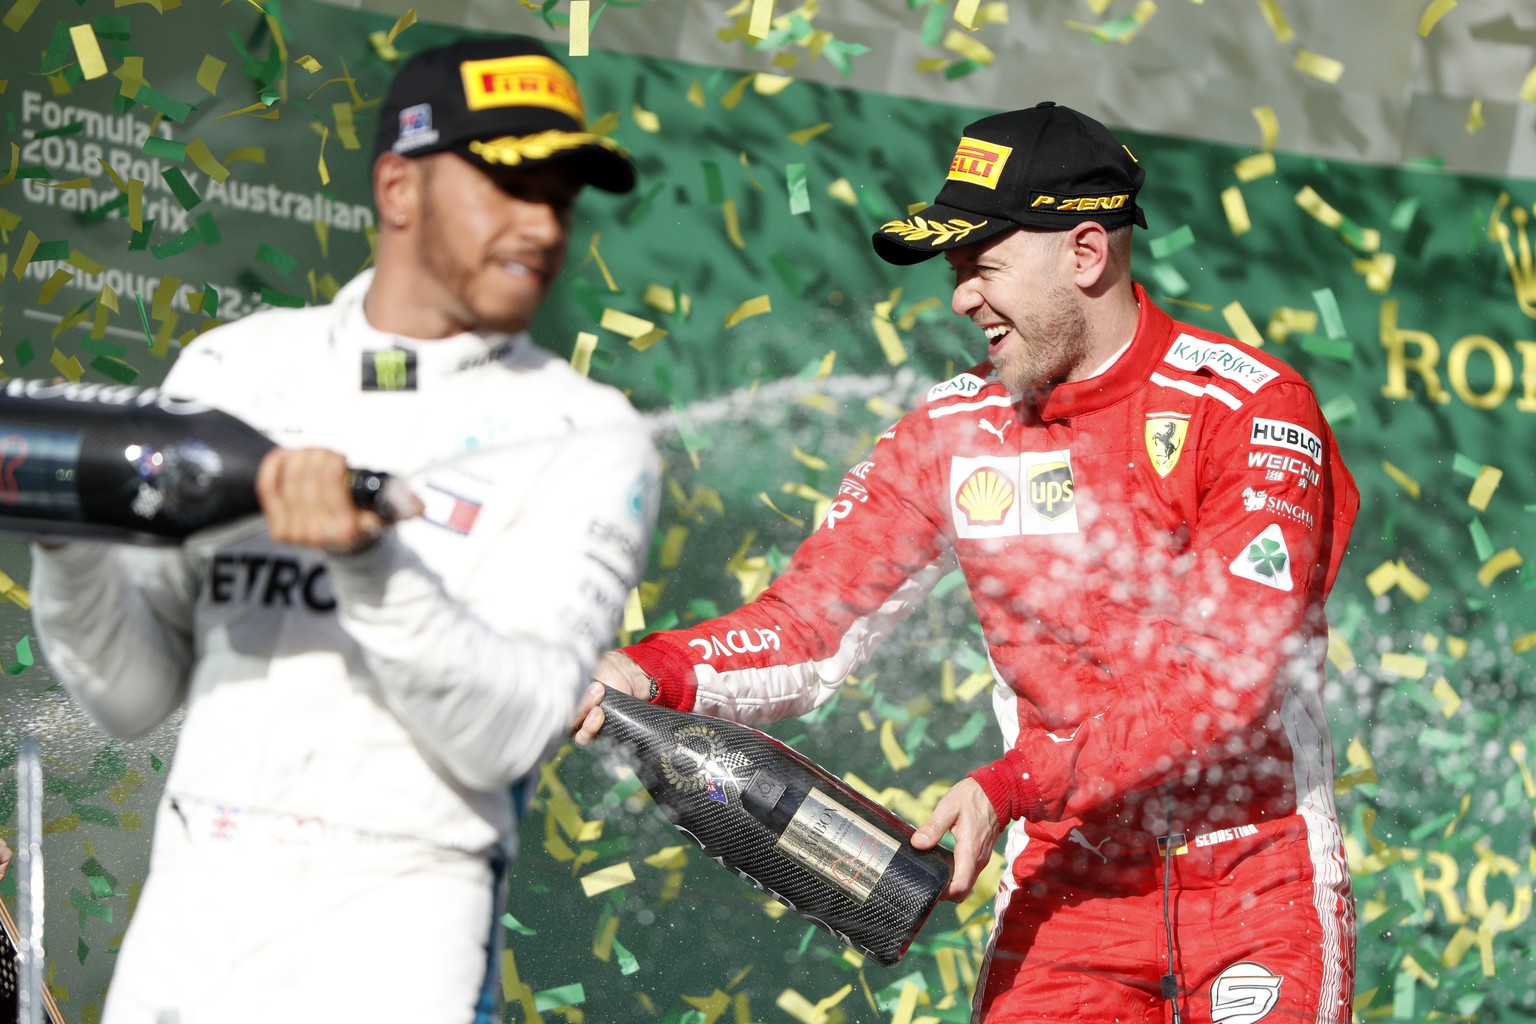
(1149, 541)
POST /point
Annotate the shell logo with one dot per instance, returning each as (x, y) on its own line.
(985, 497)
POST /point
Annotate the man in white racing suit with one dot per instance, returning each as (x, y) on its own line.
(359, 697)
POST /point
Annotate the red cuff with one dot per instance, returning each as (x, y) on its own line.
(1009, 784)
(672, 669)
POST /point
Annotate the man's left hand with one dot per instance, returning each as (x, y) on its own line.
(966, 812)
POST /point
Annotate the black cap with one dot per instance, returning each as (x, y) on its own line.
(1048, 167)
(500, 101)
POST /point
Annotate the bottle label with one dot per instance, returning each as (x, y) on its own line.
(37, 472)
(838, 845)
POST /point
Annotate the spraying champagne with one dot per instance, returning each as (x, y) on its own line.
(784, 823)
(131, 464)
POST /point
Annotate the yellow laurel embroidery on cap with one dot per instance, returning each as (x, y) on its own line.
(980, 163)
(934, 232)
(512, 150)
(528, 80)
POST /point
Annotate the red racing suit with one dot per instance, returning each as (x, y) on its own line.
(1149, 552)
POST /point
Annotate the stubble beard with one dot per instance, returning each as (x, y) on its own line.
(1048, 347)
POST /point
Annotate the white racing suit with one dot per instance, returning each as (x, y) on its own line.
(333, 829)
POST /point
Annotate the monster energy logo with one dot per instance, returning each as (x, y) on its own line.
(390, 370)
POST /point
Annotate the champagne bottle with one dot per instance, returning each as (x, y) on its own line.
(130, 464)
(783, 823)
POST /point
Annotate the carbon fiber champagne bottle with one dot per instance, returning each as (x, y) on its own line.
(129, 464)
(783, 823)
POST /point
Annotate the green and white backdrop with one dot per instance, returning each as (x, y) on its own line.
(166, 166)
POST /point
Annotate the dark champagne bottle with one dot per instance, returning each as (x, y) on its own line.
(130, 464)
(783, 823)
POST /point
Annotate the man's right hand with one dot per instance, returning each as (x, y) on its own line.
(618, 671)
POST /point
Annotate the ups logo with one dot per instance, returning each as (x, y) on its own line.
(1050, 489)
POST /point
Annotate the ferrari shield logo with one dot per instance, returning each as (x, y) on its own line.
(1165, 440)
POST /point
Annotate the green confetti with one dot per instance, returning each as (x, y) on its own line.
(273, 297)
(1328, 308)
(641, 208)
(149, 335)
(967, 733)
(1481, 543)
(181, 188)
(1465, 465)
(565, 995)
(1330, 348)
(714, 186)
(961, 68)
(934, 20)
(23, 655)
(703, 608)
(110, 26)
(208, 229)
(783, 266)
(24, 353)
(1174, 241)
(514, 925)
(627, 963)
(97, 815)
(59, 249)
(1169, 280)
(275, 258)
(172, 108)
(165, 149)
(1341, 410)
(72, 128)
(183, 242)
(114, 368)
(102, 211)
(210, 304)
(799, 190)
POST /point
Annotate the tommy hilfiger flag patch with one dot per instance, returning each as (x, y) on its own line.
(448, 510)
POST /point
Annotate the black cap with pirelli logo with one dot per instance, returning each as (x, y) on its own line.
(1047, 166)
(497, 101)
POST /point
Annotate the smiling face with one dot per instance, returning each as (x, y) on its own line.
(468, 249)
(1019, 290)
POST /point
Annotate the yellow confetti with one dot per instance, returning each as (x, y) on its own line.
(1277, 22)
(1284, 322)
(634, 614)
(1269, 126)
(1324, 69)
(88, 51)
(20, 11)
(1528, 87)
(581, 25)
(1406, 666)
(1517, 751)
(805, 135)
(696, 94)
(1240, 325)
(965, 14)
(325, 174)
(763, 497)
(1500, 563)
(842, 191)
(734, 93)
(346, 129)
(1340, 656)
(1236, 210)
(750, 308)
(15, 592)
(612, 877)
(666, 299)
(624, 323)
(926, 65)
(581, 355)
(761, 19)
(645, 120)
(732, 224)
(597, 257)
(1433, 13)
(894, 755)
(890, 340)
(1475, 122)
(1523, 643)
(1252, 168)
(1382, 578)
(308, 63)
(1378, 271)
(1309, 200)
(967, 47)
(1410, 583)
(402, 23)
(1446, 694)
(771, 85)
(1483, 487)
(807, 459)
(68, 366)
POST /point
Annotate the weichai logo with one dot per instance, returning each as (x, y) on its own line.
(1050, 489)
(980, 163)
(521, 81)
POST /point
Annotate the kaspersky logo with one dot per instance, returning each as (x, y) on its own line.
(1265, 559)
(1244, 994)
